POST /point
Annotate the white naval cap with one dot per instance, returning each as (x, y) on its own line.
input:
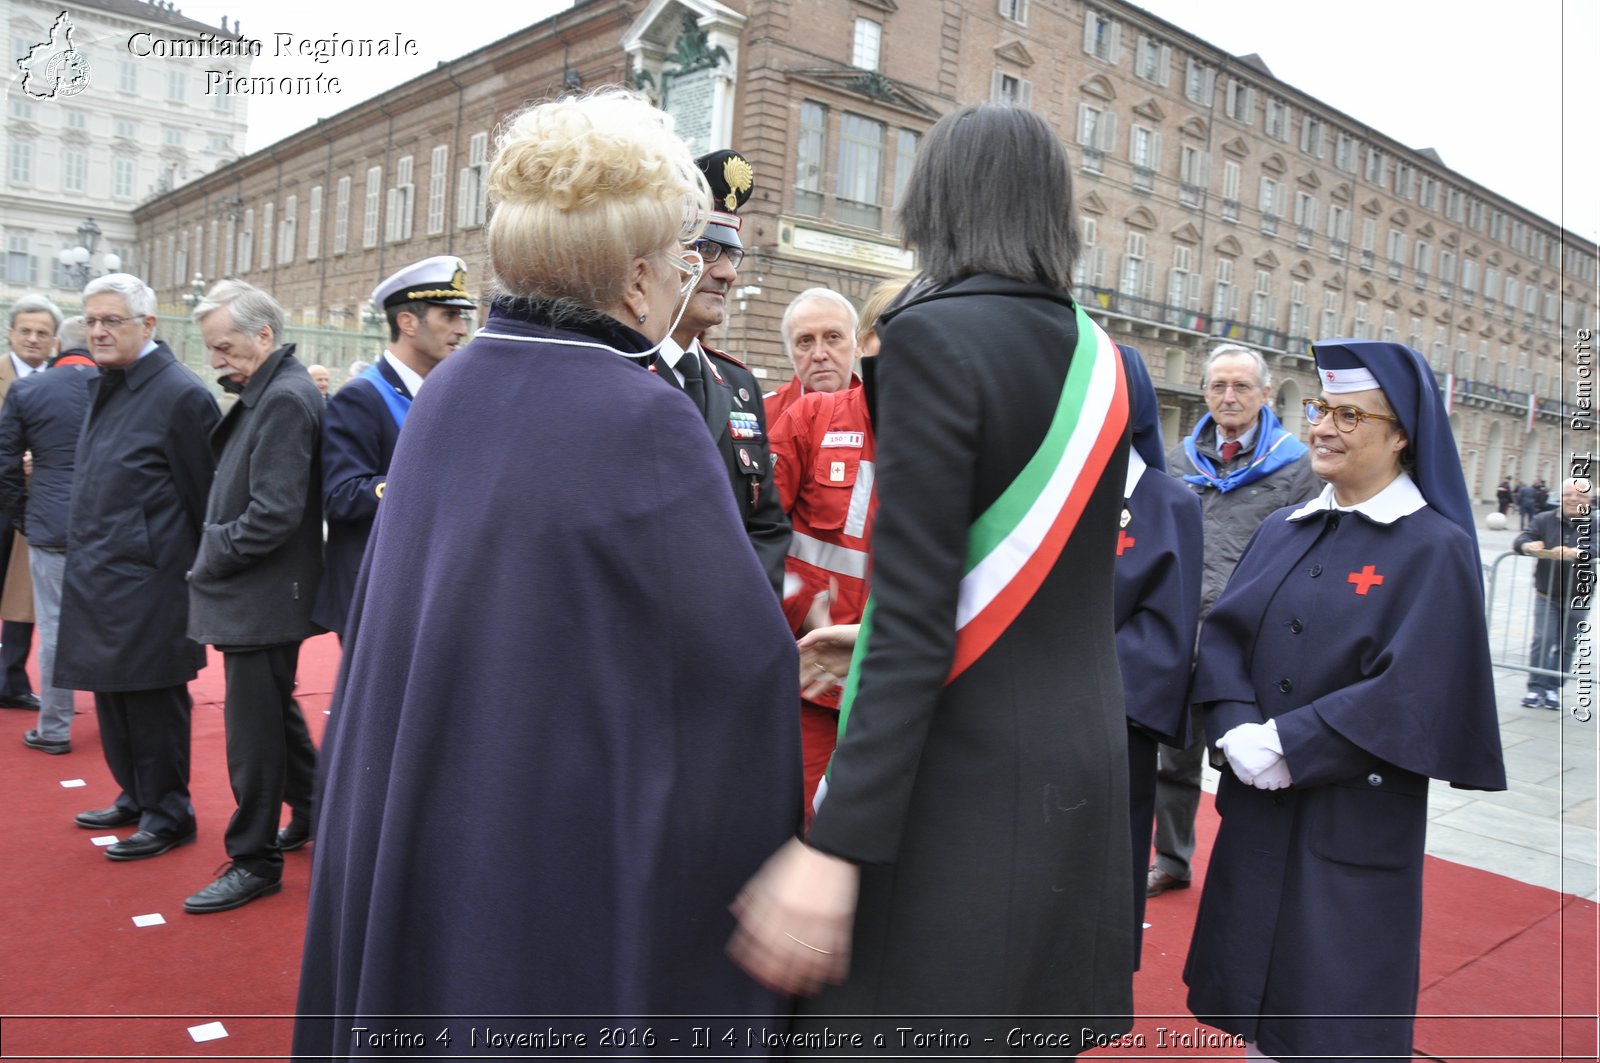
(441, 279)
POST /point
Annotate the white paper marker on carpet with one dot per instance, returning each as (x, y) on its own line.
(208, 1031)
(105, 839)
(69, 784)
(153, 919)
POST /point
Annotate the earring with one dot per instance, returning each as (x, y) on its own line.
(641, 319)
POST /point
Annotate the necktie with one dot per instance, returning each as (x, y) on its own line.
(1230, 450)
(694, 384)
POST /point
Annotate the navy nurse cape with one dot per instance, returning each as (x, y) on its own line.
(557, 751)
(1367, 643)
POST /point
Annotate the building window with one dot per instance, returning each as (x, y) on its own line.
(77, 119)
(860, 171)
(1224, 297)
(1377, 167)
(1097, 134)
(1388, 333)
(1192, 175)
(370, 207)
(1263, 307)
(810, 159)
(1007, 89)
(1361, 331)
(287, 231)
(1199, 82)
(1090, 270)
(247, 243)
(1152, 60)
(1239, 102)
(1144, 152)
(74, 172)
(172, 137)
(128, 76)
(177, 84)
(402, 203)
(1344, 152)
(1475, 215)
(438, 171)
(222, 102)
(1313, 135)
(21, 168)
(1102, 36)
(1272, 204)
(1277, 122)
(1469, 281)
(1338, 231)
(1405, 178)
(1422, 261)
(267, 213)
(1015, 10)
(19, 260)
(1428, 192)
(314, 225)
(1305, 218)
(122, 174)
(1454, 204)
(1299, 312)
(218, 143)
(126, 129)
(341, 215)
(865, 46)
(1397, 253)
(1330, 314)
(1134, 279)
(472, 192)
(1491, 288)
(1497, 226)
(1230, 191)
(1447, 274)
(905, 157)
(1181, 287)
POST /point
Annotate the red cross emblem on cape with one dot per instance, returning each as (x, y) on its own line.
(1124, 541)
(1366, 579)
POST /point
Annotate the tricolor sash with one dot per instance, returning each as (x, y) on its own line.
(399, 405)
(1013, 545)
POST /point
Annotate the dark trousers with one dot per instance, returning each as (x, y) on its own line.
(1141, 816)
(1178, 776)
(1555, 629)
(145, 737)
(271, 759)
(16, 639)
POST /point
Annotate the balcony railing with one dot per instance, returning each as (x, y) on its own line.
(1303, 237)
(1094, 160)
(1336, 249)
(1230, 210)
(1144, 178)
(1367, 260)
(1138, 309)
(1269, 224)
(1189, 195)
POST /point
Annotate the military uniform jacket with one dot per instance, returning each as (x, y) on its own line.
(739, 427)
(255, 577)
(143, 471)
(1366, 642)
(358, 438)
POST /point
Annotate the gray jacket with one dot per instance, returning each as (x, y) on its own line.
(255, 578)
(1229, 520)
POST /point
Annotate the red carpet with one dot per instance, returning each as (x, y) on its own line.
(1502, 961)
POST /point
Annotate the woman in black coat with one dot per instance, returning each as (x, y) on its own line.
(978, 795)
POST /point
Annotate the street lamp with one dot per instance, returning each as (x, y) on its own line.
(196, 292)
(79, 261)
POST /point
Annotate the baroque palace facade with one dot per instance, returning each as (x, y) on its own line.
(1216, 201)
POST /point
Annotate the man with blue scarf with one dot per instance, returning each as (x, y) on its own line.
(1243, 465)
(426, 304)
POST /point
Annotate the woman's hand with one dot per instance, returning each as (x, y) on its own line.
(825, 658)
(795, 919)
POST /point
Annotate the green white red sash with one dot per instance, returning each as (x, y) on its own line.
(1013, 545)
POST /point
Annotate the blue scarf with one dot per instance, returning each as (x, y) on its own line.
(1275, 448)
(399, 405)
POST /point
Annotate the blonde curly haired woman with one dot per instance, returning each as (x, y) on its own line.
(555, 753)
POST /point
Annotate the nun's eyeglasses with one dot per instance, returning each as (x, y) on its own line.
(1345, 418)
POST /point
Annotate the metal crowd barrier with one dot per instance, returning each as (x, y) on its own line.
(1510, 611)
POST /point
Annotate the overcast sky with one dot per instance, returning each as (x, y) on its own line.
(1508, 96)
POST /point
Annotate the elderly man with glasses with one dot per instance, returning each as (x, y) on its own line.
(1243, 465)
(725, 391)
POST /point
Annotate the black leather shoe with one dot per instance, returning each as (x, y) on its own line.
(106, 818)
(1158, 882)
(236, 887)
(142, 845)
(20, 701)
(44, 745)
(294, 836)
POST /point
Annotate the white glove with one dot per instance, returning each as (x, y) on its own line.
(1251, 749)
(1274, 778)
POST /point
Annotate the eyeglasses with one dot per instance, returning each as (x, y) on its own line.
(112, 323)
(712, 251)
(1345, 418)
(690, 263)
(1243, 389)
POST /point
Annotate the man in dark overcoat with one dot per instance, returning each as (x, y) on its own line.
(42, 416)
(426, 304)
(143, 470)
(725, 392)
(254, 580)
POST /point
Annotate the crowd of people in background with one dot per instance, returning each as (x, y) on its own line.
(860, 698)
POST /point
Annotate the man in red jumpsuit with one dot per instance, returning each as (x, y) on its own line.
(824, 453)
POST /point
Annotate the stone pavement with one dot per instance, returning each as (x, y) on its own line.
(1541, 830)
